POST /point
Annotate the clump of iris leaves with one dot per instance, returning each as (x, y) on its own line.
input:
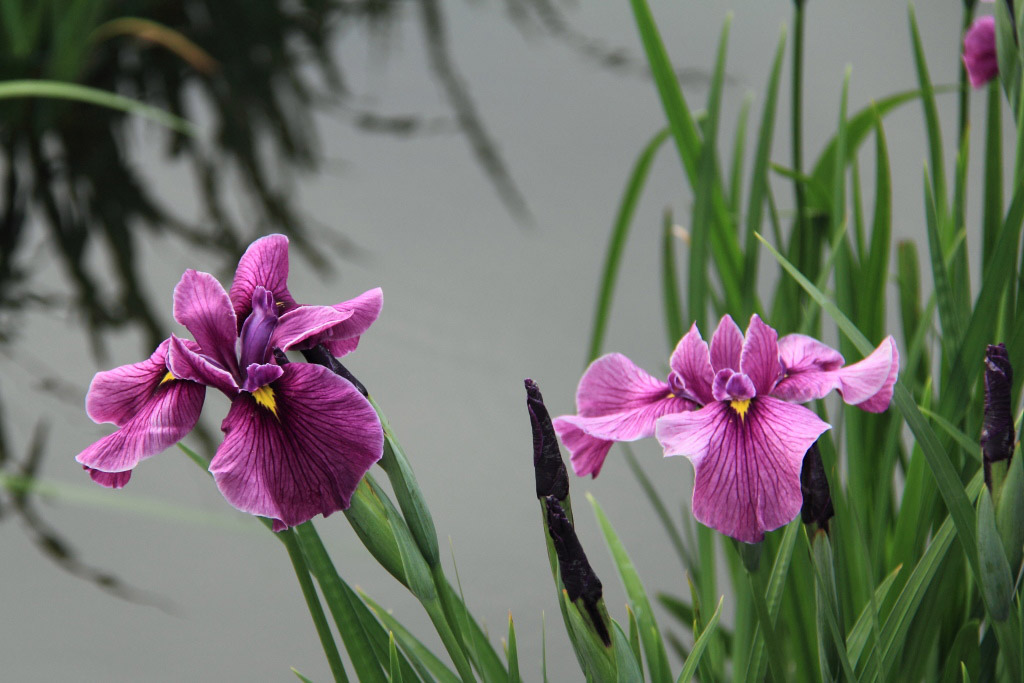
(917, 576)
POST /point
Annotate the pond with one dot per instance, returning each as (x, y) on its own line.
(472, 169)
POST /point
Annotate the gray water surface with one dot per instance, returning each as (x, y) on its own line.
(474, 301)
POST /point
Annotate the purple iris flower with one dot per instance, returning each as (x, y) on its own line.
(730, 409)
(979, 54)
(298, 438)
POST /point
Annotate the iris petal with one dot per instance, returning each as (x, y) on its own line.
(747, 469)
(869, 383)
(264, 264)
(306, 457)
(586, 453)
(117, 395)
(302, 325)
(759, 359)
(203, 307)
(726, 345)
(186, 363)
(170, 413)
(614, 384)
(691, 361)
(344, 337)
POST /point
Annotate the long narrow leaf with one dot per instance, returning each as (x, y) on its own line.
(650, 636)
(617, 240)
(101, 98)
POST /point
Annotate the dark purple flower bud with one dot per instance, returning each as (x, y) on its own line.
(548, 467)
(997, 433)
(320, 355)
(578, 578)
(979, 54)
(817, 507)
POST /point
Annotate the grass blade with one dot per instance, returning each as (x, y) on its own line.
(650, 636)
(80, 93)
(699, 645)
(617, 241)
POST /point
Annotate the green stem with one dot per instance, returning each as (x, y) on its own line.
(323, 629)
(796, 129)
(287, 537)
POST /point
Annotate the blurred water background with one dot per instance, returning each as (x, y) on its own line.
(468, 157)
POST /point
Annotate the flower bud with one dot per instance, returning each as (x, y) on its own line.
(548, 467)
(997, 433)
(817, 507)
(578, 578)
(979, 55)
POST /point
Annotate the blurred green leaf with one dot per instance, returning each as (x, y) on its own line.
(617, 240)
(995, 580)
(101, 98)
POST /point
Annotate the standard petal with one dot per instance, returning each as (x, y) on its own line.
(301, 450)
(630, 425)
(614, 384)
(163, 420)
(185, 363)
(586, 453)
(264, 263)
(117, 395)
(726, 345)
(203, 307)
(747, 468)
(759, 359)
(111, 480)
(691, 361)
(869, 383)
(300, 326)
(343, 338)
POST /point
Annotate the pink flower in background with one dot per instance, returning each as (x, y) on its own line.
(980, 51)
(729, 407)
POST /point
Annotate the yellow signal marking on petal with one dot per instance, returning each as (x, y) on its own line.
(265, 397)
(169, 377)
(741, 407)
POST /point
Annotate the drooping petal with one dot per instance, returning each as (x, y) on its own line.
(979, 56)
(691, 361)
(203, 307)
(264, 264)
(300, 326)
(747, 468)
(586, 453)
(614, 384)
(186, 363)
(631, 424)
(869, 383)
(759, 359)
(809, 369)
(117, 395)
(726, 345)
(344, 337)
(300, 450)
(111, 480)
(170, 413)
